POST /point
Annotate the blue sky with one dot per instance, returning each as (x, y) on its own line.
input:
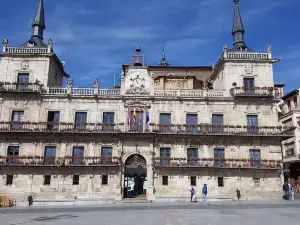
(96, 37)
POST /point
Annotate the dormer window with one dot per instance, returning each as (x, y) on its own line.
(30, 44)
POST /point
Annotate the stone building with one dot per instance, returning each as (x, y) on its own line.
(164, 129)
(289, 116)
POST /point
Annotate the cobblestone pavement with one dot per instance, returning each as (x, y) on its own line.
(234, 213)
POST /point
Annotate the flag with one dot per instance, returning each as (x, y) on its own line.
(147, 116)
(134, 116)
(128, 115)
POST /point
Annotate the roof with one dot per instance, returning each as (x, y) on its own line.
(290, 94)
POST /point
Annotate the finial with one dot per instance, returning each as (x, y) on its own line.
(236, 1)
(163, 61)
(225, 48)
(269, 48)
(63, 62)
(50, 41)
(5, 41)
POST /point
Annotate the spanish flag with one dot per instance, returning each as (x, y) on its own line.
(134, 116)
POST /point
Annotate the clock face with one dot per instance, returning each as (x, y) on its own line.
(137, 81)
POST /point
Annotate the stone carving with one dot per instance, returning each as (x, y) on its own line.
(69, 82)
(137, 103)
(248, 69)
(50, 42)
(269, 48)
(137, 82)
(96, 83)
(225, 48)
(5, 42)
(25, 65)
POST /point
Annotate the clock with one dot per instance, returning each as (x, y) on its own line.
(137, 82)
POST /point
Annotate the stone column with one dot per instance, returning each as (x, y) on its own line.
(150, 179)
(119, 193)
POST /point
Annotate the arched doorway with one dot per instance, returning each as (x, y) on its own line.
(135, 176)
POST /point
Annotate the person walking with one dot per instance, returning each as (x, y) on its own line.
(204, 194)
(192, 193)
(30, 200)
(238, 194)
(285, 188)
(293, 192)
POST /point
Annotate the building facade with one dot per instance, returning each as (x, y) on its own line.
(164, 129)
(289, 115)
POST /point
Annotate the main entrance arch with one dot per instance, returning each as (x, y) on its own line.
(135, 177)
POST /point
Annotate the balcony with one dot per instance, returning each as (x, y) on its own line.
(162, 129)
(217, 163)
(257, 92)
(189, 93)
(79, 91)
(20, 87)
(20, 161)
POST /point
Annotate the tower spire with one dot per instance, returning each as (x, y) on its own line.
(163, 61)
(238, 30)
(38, 27)
(38, 23)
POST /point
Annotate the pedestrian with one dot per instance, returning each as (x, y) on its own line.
(238, 194)
(285, 189)
(293, 192)
(192, 193)
(30, 200)
(204, 194)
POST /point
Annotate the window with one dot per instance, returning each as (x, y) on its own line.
(75, 179)
(106, 153)
(17, 116)
(252, 122)
(78, 154)
(165, 154)
(192, 156)
(191, 119)
(47, 179)
(53, 120)
(80, 120)
(219, 155)
(165, 180)
(137, 120)
(193, 181)
(9, 179)
(289, 106)
(256, 182)
(254, 157)
(220, 181)
(104, 179)
(23, 78)
(249, 86)
(108, 120)
(50, 153)
(217, 122)
(289, 149)
(13, 152)
(165, 121)
(288, 123)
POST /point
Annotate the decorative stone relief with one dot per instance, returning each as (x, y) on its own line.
(25, 65)
(248, 69)
(137, 81)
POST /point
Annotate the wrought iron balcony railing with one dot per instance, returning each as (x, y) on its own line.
(58, 161)
(200, 129)
(217, 163)
(20, 87)
(253, 92)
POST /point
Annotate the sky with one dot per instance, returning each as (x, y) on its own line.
(96, 37)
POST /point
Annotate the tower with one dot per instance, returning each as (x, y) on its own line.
(34, 61)
(138, 58)
(242, 68)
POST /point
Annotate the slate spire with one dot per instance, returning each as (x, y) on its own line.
(163, 61)
(38, 23)
(238, 30)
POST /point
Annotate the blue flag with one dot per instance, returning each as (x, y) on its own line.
(147, 116)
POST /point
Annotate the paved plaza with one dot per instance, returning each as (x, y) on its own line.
(216, 213)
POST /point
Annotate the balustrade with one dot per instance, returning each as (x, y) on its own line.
(253, 92)
(20, 87)
(58, 161)
(199, 129)
(26, 50)
(217, 163)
